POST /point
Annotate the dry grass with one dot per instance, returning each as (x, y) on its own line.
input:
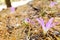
(12, 26)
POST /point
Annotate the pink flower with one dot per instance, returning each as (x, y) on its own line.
(48, 25)
(52, 4)
(12, 9)
(27, 20)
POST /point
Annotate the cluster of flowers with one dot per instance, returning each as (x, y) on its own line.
(40, 20)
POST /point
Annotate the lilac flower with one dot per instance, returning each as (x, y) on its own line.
(48, 25)
(12, 9)
(27, 20)
(41, 21)
(52, 4)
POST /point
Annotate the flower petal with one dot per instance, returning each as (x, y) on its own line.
(52, 4)
(49, 23)
(54, 24)
(41, 21)
(26, 19)
(29, 21)
(12, 9)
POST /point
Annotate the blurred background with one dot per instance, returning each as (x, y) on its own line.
(14, 3)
